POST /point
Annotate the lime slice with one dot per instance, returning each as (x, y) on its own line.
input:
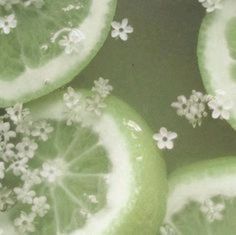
(50, 46)
(216, 53)
(202, 199)
(110, 177)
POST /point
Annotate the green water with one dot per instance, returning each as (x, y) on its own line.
(153, 67)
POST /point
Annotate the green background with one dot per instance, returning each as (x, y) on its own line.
(153, 67)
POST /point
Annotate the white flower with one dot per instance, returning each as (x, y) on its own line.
(25, 223)
(17, 113)
(26, 148)
(7, 151)
(71, 98)
(41, 129)
(93, 199)
(211, 5)
(36, 3)
(19, 167)
(165, 138)
(121, 30)
(6, 199)
(7, 23)
(212, 211)
(24, 195)
(40, 206)
(95, 104)
(167, 230)
(71, 42)
(5, 131)
(7, 4)
(181, 106)
(51, 170)
(2, 170)
(31, 178)
(221, 106)
(102, 87)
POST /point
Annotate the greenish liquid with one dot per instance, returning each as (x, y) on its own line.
(153, 67)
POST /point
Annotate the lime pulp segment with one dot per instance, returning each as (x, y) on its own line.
(216, 53)
(50, 46)
(202, 199)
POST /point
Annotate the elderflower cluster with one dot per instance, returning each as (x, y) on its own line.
(76, 104)
(19, 139)
(9, 21)
(211, 5)
(192, 108)
(197, 106)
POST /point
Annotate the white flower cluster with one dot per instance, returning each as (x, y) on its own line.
(9, 21)
(194, 109)
(211, 5)
(19, 137)
(76, 105)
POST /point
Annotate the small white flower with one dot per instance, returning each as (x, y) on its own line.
(51, 170)
(93, 199)
(41, 129)
(71, 42)
(102, 87)
(211, 5)
(36, 3)
(221, 106)
(25, 223)
(5, 131)
(165, 138)
(19, 167)
(17, 113)
(181, 106)
(6, 199)
(40, 206)
(167, 230)
(7, 151)
(26, 148)
(2, 170)
(31, 178)
(7, 23)
(24, 195)
(212, 211)
(121, 30)
(71, 98)
(8, 4)
(95, 104)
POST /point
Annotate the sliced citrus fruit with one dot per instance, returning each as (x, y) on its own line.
(202, 199)
(216, 53)
(108, 175)
(50, 45)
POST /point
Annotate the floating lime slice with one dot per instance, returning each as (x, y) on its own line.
(217, 52)
(202, 199)
(110, 178)
(50, 45)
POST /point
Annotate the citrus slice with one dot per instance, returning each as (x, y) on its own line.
(216, 53)
(109, 177)
(202, 199)
(50, 45)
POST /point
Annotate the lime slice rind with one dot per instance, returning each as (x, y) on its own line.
(63, 68)
(214, 56)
